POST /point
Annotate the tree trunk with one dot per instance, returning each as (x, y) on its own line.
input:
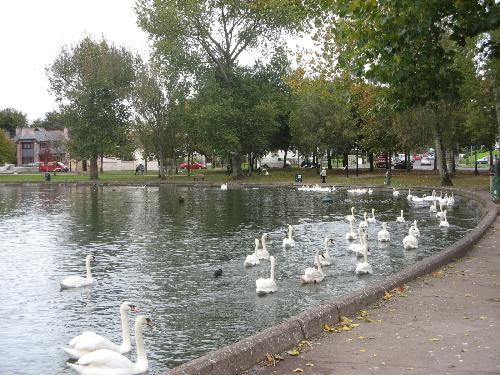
(102, 164)
(370, 160)
(84, 166)
(476, 171)
(357, 166)
(189, 163)
(236, 164)
(161, 166)
(94, 170)
(284, 158)
(453, 164)
(329, 158)
(440, 154)
(491, 159)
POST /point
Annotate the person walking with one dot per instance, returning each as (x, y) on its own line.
(323, 175)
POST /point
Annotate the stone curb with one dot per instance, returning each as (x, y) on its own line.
(243, 355)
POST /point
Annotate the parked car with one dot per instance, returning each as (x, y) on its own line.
(52, 166)
(194, 165)
(484, 160)
(425, 161)
(400, 164)
(272, 160)
(417, 157)
(309, 164)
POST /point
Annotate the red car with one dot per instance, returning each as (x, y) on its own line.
(194, 165)
(52, 166)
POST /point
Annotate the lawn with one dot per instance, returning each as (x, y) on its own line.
(464, 179)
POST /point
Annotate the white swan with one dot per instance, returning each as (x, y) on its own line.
(383, 234)
(431, 197)
(288, 241)
(416, 231)
(395, 193)
(409, 196)
(440, 213)
(433, 207)
(89, 341)
(108, 362)
(223, 186)
(451, 201)
(351, 235)
(372, 219)
(400, 219)
(358, 248)
(370, 191)
(410, 241)
(264, 286)
(444, 222)
(351, 217)
(263, 254)
(253, 259)
(364, 223)
(78, 281)
(313, 275)
(325, 258)
(363, 267)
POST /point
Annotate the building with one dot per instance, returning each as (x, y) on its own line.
(37, 145)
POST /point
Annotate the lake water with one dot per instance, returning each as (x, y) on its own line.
(161, 254)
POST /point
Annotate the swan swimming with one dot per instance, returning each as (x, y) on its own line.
(395, 193)
(410, 241)
(325, 258)
(358, 248)
(364, 223)
(78, 281)
(433, 207)
(253, 259)
(108, 362)
(416, 231)
(289, 241)
(313, 275)
(263, 254)
(372, 219)
(440, 214)
(351, 235)
(444, 222)
(363, 267)
(89, 341)
(223, 186)
(400, 219)
(264, 286)
(351, 217)
(383, 234)
(409, 196)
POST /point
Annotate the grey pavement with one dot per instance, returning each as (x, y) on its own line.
(447, 322)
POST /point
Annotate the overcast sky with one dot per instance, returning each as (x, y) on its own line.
(32, 33)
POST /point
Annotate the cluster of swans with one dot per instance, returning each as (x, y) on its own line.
(317, 188)
(360, 191)
(95, 354)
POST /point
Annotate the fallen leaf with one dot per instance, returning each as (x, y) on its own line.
(269, 358)
(387, 296)
(439, 274)
(298, 370)
(467, 295)
(361, 337)
(293, 352)
(483, 317)
(278, 357)
(327, 328)
(310, 364)
(434, 339)
(362, 350)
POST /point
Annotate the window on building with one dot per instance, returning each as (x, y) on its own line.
(27, 145)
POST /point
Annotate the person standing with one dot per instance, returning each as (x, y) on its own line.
(323, 175)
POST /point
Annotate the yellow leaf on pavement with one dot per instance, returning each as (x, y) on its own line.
(269, 358)
(434, 339)
(298, 370)
(310, 364)
(293, 352)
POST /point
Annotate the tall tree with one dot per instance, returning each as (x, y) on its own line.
(10, 119)
(92, 82)
(159, 104)
(7, 149)
(203, 36)
(53, 120)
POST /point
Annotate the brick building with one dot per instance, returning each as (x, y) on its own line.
(38, 144)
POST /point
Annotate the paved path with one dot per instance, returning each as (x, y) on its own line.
(447, 322)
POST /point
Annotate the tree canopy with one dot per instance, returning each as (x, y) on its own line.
(10, 119)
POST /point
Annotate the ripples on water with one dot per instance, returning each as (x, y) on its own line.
(161, 254)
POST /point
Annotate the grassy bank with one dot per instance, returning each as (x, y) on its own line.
(464, 179)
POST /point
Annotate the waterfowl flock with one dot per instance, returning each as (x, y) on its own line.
(96, 354)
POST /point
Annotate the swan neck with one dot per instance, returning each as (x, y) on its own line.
(264, 245)
(139, 342)
(272, 269)
(290, 232)
(87, 266)
(125, 328)
(318, 263)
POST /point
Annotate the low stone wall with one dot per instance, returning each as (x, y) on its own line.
(241, 356)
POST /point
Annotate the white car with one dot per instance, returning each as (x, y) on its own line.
(483, 160)
(425, 161)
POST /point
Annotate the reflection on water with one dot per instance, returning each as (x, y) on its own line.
(161, 254)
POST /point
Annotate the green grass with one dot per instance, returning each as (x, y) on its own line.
(469, 160)
(464, 179)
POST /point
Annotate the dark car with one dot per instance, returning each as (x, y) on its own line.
(400, 164)
(309, 164)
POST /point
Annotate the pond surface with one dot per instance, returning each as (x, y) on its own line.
(161, 255)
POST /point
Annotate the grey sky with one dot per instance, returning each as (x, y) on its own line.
(32, 33)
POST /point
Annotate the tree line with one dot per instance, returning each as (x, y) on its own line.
(391, 75)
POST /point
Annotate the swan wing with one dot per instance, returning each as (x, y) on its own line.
(82, 336)
(105, 358)
(96, 342)
(74, 282)
(85, 370)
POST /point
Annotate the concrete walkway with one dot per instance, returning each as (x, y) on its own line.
(447, 322)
